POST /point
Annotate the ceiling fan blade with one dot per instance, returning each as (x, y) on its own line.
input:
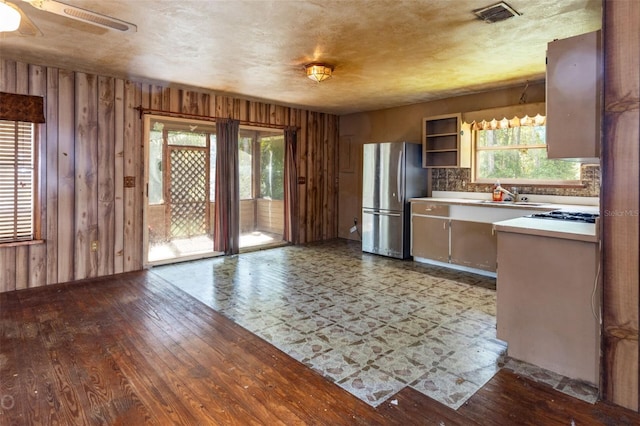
(27, 27)
(83, 15)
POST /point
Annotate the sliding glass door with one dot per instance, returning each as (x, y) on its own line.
(180, 164)
(180, 190)
(261, 160)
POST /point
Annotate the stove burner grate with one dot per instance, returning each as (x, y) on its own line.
(571, 216)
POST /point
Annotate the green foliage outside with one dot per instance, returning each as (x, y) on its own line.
(272, 167)
(245, 169)
(271, 162)
(519, 153)
(187, 138)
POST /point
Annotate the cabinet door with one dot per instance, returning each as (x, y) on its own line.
(474, 245)
(573, 97)
(430, 238)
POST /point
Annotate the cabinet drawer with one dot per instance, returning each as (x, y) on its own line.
(430, 209)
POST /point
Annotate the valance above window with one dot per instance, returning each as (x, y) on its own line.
(533, 114)
(505, 123)
(24, 108)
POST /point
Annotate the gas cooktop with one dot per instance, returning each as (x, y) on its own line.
(565, 215)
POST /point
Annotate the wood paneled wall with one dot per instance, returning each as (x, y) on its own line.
(92, 139)
(621, 202)
(270, 216)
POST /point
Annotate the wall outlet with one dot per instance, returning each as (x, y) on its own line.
(94, 246)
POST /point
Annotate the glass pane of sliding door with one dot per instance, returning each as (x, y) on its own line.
(181, 182)
(261, 165)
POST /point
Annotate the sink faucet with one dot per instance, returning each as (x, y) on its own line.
(512, 195)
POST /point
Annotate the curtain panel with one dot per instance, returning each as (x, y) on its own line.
(226, 233)
(24, 108)
(291, 186)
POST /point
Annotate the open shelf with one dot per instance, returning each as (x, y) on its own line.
(441, 141)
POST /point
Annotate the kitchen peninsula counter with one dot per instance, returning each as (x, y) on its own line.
(578, 231)
(548, 294)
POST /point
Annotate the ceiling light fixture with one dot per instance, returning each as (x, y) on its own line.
(318, 72)
(9, 17)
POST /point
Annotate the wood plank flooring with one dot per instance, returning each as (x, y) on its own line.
(132, 349)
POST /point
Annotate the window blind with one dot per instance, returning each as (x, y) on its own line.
(16, 181)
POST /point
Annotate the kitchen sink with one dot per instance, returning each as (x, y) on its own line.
(510, 203)
(528, 203)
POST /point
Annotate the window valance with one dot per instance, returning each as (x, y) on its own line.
(25, 108)
(505, 123)
(498, 118)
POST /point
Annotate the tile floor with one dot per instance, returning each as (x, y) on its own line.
(372, 325)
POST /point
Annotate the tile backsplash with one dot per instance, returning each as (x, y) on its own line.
(459, 179)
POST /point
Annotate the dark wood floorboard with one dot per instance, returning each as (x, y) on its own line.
(132, 349)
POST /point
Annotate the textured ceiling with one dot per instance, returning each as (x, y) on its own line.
(385, 53)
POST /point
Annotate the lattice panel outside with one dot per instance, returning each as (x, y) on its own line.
(189, 192)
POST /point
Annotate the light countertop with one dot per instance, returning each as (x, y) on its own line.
(587, 232)
(487, 203)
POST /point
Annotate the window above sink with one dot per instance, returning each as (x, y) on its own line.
(514, 150)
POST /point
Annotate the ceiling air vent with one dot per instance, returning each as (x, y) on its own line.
(96, 18)
(83, 15)
(496, 13)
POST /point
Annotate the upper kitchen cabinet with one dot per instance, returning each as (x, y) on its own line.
(445, 142)
(574, 83)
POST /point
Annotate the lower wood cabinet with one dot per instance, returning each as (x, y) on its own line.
(460, 242)
(474, 245)
(430, 238)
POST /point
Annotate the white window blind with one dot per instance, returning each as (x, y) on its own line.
(16, 181)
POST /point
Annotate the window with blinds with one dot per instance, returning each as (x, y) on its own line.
(17, 184)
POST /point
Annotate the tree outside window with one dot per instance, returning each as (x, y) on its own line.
(519, 154)
(272, 167)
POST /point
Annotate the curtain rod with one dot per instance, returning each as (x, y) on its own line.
(143, 110)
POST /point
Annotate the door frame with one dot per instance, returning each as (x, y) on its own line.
(146, 264)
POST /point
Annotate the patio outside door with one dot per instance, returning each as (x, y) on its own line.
(187, 208)
(180, 205)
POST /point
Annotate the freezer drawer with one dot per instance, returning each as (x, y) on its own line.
(382, 233)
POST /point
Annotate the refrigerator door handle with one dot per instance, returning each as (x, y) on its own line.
(375, 213)
(399, 180)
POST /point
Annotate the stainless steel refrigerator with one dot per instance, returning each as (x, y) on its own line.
(392, 174)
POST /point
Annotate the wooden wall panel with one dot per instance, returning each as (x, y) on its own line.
(270, 216)
(86, 171)
(38, 252)
(118, 177)
(621, 203)
(22, 252)
(7, 254)
(132, 196)
(8, 271)
(243, 114)
(8, 70)
(303, 194)
(66, 175)
(50, 162)
(93, 138)
(139, 176)
(331, 176)
(247, 215)
(106, 175)
(156, 97)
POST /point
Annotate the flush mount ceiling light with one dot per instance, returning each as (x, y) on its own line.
(318, 72)
(9, 18)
